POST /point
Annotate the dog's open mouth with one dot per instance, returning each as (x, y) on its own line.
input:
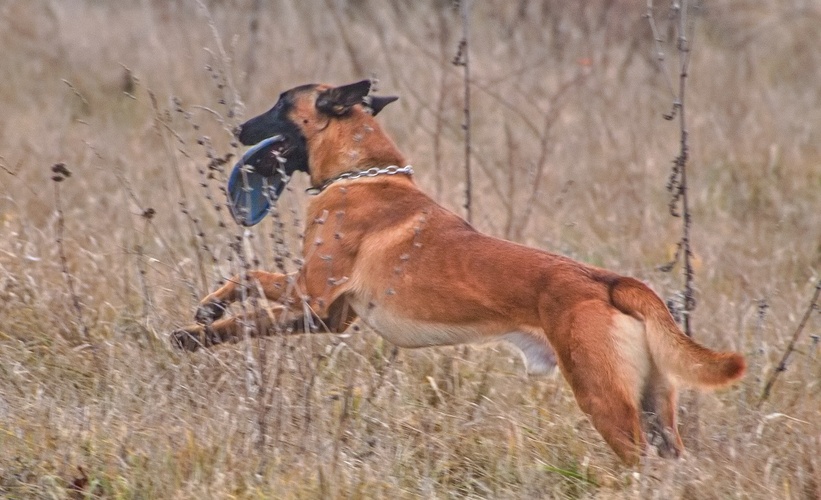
(257, 180)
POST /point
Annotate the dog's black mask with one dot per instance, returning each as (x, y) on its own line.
(289, 146)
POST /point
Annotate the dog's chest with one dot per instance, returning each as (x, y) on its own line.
(405, 331)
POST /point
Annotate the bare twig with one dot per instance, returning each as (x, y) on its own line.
(60, 174)
(677, 183)
(235, 105)
(683, 45)
(782, 365)
(761, 315)
(659, 50)
(9, 171)
(462, 59)
(77, 93)
(263, 399)
(147, 215)
(759, 324)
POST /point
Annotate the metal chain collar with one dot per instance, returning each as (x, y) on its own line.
(358, 174)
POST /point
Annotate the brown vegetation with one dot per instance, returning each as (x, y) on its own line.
(570, 154)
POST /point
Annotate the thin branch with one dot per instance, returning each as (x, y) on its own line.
(76, 93)
(684, 52)
(782, 365)
(60, 174)
(235, 107)
(462, 59)
(659, 50)
(677, 182)
(9, 171)
(148, 303)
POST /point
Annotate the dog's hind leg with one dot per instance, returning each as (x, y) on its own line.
(595, 346)
(659, 406)
(251, 284)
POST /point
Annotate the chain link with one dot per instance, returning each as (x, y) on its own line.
(358, 174)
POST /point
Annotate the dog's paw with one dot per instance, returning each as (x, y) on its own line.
(188, 339)
(209, 312)
(666, 442)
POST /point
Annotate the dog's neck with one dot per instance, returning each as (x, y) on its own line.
(354, 144)
(363, 174)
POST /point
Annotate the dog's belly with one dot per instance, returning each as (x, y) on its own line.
(408, 332)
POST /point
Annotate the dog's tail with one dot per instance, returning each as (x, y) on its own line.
(674, 352)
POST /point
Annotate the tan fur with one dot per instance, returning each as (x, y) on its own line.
(421, 276)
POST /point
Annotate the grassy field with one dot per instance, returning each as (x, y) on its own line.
(570, 154)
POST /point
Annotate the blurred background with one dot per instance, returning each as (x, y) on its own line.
(570, 153)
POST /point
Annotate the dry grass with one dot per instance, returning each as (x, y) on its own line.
(346, 417)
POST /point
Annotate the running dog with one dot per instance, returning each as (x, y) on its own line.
(378, 248)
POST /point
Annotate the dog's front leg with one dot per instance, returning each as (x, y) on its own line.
(252, 284)
(277, 320)
(267, 321)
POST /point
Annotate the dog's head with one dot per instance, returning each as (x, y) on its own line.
(317, 129)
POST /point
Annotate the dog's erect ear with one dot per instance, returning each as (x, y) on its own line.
(377, 102)
(338, 101)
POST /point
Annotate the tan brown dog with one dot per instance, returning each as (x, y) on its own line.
(377, 247)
